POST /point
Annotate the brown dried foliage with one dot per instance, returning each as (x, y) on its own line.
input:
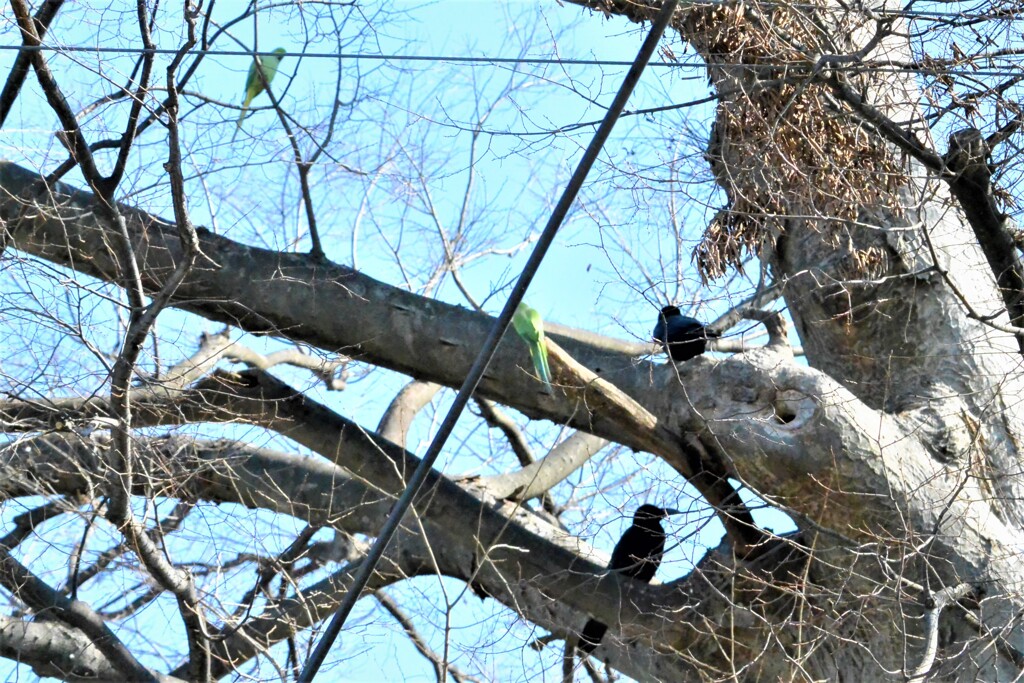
(785, 153)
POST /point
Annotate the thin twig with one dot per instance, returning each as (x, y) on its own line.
(418, 641)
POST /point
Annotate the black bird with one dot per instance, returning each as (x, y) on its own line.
(636, 555)
(682, 336)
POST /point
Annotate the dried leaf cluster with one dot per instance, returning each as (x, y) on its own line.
(781, 147)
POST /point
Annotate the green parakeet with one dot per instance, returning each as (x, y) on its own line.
(530, 327)
(253, 84)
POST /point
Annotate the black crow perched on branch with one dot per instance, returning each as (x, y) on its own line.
(682, 336)
(636, 555)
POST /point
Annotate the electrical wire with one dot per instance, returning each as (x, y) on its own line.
(490, 345)
(693, 62)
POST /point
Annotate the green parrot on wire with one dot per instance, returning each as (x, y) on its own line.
(254, 85)
(530, 327)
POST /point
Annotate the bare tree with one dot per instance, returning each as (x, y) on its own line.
(138, 449)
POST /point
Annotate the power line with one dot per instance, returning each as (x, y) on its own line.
(327, 55)
(355, 56)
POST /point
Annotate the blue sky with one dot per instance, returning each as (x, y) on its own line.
(594, 277)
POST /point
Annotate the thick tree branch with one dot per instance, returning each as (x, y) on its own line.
(397, 419)
(469, 536)
(289, 295)
(541, 476)
(788, 428)
(52, 649)
(372, 321)
(800, 449)
(44, 600)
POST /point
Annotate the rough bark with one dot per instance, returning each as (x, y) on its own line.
(54, 650)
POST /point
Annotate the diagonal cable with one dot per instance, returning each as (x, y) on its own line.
(369, 563)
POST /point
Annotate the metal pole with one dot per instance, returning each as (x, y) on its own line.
(369, 563)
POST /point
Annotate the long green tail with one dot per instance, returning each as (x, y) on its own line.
(539, 356)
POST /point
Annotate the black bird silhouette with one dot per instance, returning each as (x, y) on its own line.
(682, 336)
(636, 555)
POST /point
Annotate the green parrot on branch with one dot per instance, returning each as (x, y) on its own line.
(530, 327)
(254, 84)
